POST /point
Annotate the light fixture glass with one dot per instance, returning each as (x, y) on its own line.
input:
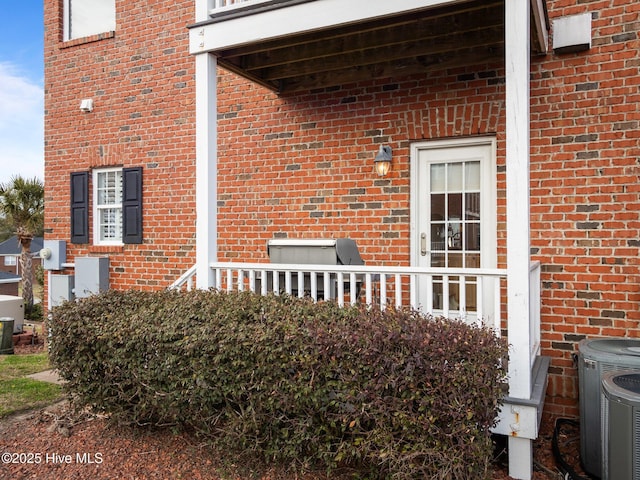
(382, 162)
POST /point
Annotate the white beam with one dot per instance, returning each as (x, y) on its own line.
(517, 65)
(304, 17)
(206, 169)
(518, 236)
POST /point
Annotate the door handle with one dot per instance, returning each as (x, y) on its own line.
(423, 244)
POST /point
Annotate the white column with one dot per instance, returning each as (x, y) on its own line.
(517, 39)
(206, 169)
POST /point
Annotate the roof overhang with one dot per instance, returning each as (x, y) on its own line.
(294, 45)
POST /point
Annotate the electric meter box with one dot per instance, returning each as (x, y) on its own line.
(92, 276)
(62, 287)
(53, 254)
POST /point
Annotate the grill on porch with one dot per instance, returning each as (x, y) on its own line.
(341, 251)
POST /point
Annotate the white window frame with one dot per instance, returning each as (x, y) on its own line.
(67, 22)
(10, 260)
(98, 208)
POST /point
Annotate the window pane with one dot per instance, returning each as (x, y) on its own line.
(472, 236)
(437, 206)
(472, 206)
(437, 260)
(472, 260)
(437, 294)
(472, 175)
(455, 206)
(454, 236)
(90, 17)
(471, 291)
(438, 177)
(454, 295)
(454, 177)
(455, 260)
(110, 224)
(437, 236)
(110, 188)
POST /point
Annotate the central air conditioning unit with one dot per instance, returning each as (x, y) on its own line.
(597, 357)
(621, 426)
(13, 307)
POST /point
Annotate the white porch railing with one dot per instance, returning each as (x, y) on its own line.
(469, 294)
(383, 286)
(219, 5)
(186, 280)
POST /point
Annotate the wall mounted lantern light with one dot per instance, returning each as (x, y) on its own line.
(382, 161)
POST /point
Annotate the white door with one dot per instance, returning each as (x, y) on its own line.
(454, 223)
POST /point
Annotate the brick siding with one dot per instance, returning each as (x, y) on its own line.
(9, 289)
(302, 165)
(585, 212)
(141, 79)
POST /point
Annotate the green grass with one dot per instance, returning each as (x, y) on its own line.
(19, 393)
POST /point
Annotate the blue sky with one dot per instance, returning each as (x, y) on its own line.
(21, 90)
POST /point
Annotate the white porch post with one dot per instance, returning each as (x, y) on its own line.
(206, 160)
(517, 39)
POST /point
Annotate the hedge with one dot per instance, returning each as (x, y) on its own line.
(393, 393)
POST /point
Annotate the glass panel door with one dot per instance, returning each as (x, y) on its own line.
(454, 218)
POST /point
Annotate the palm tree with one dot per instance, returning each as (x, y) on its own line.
(22, 202)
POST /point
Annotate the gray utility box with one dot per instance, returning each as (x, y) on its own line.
(12, 307)
(62, 287)
(597, 357)
(621, 426)
(339, 251)
(53, 254)
(92, 275)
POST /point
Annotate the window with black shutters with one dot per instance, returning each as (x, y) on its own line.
(117, 206)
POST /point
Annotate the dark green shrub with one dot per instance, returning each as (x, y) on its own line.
(390, 393)
(34, 312)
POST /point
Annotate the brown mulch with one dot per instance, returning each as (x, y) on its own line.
(55, 443)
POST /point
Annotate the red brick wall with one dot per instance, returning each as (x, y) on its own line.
(9, 289)
(141, 80)
(8, 268)
(585, 190)
(302, 166)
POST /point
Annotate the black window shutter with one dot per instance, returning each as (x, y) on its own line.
(80, 207)
(132, 205)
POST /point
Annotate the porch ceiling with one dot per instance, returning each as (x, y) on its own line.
(425, 41)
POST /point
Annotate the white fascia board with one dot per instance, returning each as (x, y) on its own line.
(540, 22)
(299, 18)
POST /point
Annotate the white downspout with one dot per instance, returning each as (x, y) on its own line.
(206, 159)
(517, 64)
